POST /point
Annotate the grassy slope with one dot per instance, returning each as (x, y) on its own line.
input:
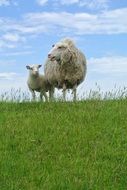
(71, 146)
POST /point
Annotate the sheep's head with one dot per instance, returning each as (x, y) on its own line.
(60, 53)
(34, 69)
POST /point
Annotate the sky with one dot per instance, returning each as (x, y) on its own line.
(28, 28)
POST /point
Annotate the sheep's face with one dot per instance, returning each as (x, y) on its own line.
(59, 52)
(34, 69)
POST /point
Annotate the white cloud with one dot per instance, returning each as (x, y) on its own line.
(113, 65)
(15, 32)
(11, 40)
(10, 80)
(107, 72)
(4, 44)
(7, 62)
(42, 2)
(66, 2)
(94, 4)
(13, 37)
(90, 4)
(57, 2)
(8, 2)
(7, 76)
(108, 22)
(17, 53)
(4, 2)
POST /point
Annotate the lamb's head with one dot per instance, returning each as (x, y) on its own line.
(34, 69)
(61, 52)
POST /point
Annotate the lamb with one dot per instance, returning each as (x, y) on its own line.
(37, 82)
(65, 67)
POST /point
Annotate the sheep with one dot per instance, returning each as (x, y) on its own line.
(37, 82)
(65, 67)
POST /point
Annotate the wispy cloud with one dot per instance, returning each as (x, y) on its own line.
(42, 2)
(17, 53)
(4, 44)
(8, 2)
(66, 2)
(7, 76)
(108, 22)
(13, 37)
(10, 80)
(108, 72)
(4, 2)
(95, 4)
(11, 40)
(90, 4)
(112, 65)
(14, 32)
(7, 62)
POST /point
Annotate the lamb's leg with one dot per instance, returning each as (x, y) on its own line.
(33, 94)
(51, 93)
(74, 92)
(64, 92)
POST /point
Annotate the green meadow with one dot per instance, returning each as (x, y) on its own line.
(63, 145)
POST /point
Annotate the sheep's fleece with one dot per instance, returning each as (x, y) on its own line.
(65, 65)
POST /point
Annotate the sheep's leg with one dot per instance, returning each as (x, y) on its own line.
(41, 96)
(51, 93)
(33, 94)
(64, 92)
(74, 92)
(46, 97)
(43, 93)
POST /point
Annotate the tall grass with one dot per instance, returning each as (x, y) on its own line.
(17, 95)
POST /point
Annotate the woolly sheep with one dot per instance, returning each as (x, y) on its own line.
(65, 67)
(37, 82)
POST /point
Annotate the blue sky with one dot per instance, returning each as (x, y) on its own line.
(30, 27)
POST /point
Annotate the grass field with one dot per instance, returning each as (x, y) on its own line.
(63, 145)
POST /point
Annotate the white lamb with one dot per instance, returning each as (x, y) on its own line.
(37, 82)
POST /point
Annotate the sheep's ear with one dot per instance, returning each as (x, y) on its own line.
(28, 67)
(39, 66)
